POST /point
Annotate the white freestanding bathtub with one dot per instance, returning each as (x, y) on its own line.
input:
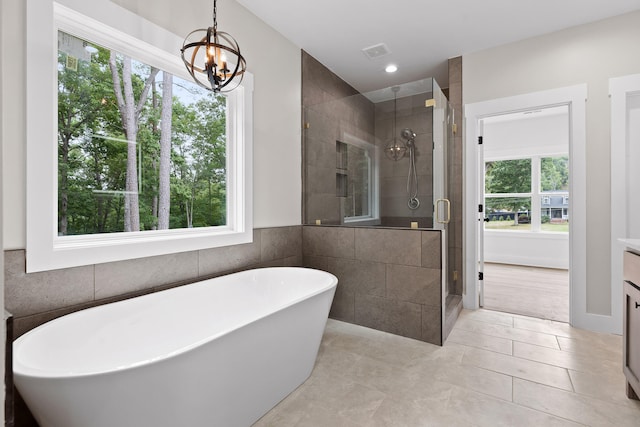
(217, 353)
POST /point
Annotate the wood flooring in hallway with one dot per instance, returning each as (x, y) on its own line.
(529, 291)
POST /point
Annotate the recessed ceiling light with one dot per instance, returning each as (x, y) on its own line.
(391, 68)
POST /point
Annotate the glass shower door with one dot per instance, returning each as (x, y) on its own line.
(441, 203)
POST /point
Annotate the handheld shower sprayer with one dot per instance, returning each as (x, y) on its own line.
(412, 178)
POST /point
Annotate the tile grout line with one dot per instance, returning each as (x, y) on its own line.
(578, 395)
(510, 338)
(513, 325)
(573, 388)
(551, 414)
(527, 360)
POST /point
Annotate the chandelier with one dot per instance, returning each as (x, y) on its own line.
(395, 150)
(213, 58)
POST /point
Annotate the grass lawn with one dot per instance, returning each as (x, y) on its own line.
(509, 225)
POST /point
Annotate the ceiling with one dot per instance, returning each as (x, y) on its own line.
(420, 34)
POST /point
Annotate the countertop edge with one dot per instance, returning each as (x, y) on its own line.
(630, 244)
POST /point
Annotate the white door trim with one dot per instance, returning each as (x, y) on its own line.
(575, 98)
(619, 90)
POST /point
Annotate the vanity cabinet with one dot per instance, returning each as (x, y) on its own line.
(631, 323)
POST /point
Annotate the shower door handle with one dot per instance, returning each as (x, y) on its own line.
(448, 205)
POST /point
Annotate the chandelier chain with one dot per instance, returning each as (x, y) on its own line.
(215, 13)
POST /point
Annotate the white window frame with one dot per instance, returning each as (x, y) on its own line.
(374, 179)
(538, 198)
(112, 26)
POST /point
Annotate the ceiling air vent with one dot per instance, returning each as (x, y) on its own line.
(376, 51)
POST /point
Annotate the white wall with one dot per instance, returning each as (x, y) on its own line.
(549, 250)
(529, 136)
(13, 124)
(273, 60)
(588, 54)
(3, 332)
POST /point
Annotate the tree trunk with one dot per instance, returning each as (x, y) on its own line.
(131, 207)
(100, 199)
(64, 195)
(154, 159)
(130, 112)
(189, 206)
(164, 191)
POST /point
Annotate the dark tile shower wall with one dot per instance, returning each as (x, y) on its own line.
(411, 113)
(331, 108)
(389, 279)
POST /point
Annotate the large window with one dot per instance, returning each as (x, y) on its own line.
(138, 148)
(527, 194)
(127, 158)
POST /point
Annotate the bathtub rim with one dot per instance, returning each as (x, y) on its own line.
(29, 372)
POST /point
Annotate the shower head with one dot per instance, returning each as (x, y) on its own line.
(408, 134)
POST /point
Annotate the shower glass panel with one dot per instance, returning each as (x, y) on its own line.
(441, 129)
(351, 178)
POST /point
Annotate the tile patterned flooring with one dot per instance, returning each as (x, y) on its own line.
(496, 369)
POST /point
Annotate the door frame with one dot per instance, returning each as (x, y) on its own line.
(619, 90)
(575, 98)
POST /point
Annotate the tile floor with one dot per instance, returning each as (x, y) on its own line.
(496, 369)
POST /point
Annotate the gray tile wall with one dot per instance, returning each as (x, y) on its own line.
(388, 279)
(331, 107)
(35, 298)
(410, 112)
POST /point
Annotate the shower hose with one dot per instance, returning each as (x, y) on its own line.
(412, 180)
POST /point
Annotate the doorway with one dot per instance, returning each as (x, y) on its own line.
(524, 259)
(573, 98)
